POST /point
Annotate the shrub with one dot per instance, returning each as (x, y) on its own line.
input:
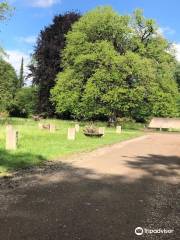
(90, 129)
(8, 84)
(24, 103)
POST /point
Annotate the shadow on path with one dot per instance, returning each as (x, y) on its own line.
(14, 160)
(61, 202)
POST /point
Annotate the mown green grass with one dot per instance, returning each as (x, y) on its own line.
(36, 146)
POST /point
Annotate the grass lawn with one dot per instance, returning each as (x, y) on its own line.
(36, 146)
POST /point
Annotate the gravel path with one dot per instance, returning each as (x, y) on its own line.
(102, 195)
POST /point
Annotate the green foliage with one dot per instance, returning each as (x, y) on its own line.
(8, 84)
(47, 57)
(164, 105)
(21, 74)
(116, 66)
(24, 103)
(5, 9)
(177, 74)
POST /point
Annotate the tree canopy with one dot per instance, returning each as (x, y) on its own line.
(47, 58)
(5, 10)
(116, 65)
(8, 84)
(24, 102)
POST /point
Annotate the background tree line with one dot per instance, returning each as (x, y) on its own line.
(98, 66)
(15, 97)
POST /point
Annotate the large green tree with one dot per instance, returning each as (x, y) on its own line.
(47, 58)
(8, 84)
(115, 66)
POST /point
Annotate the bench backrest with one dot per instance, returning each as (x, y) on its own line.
(165, 123)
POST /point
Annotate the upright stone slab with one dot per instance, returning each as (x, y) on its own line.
(118, 129)
(40, 125)
(11, 138)
(77, 128)
(71, 133)
(44, 126)
(102, 130)
(9, 127)
(52, 128)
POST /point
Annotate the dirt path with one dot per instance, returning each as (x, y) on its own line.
(102, 195)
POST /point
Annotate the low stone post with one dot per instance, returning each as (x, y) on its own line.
(11, 138)
(9, 128)
(52, 128)
(71, 133)
(77, 128)
(102, 130)
(40, 125)
(118, 129)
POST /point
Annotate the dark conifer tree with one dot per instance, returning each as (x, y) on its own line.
(21, 74)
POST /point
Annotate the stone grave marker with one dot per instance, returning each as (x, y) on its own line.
(102, 130)
(118, 129)
(71, 133)
(9, 127)
(40, 125)
(11, 138)
(44, 126)
(52, 128)
(77, 128)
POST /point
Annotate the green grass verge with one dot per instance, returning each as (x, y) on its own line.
(36, 146)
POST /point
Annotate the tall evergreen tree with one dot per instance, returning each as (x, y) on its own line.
(21, 74)
(47, 58)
